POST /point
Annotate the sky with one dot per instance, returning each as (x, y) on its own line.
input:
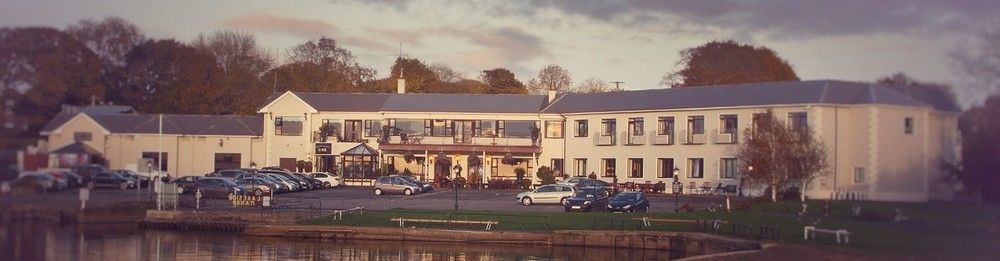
(635, 41)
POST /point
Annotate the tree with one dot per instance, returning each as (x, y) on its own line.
(446, 74)
(40, 69)
(939, 95)
(550, 78)
(502, 81)
(110, 38)
(980, 60)
(334, 59)
(728, 62)
(419, 77)
(594, 85)
(546, 175)
(980, 128)
(779, 155)
(322, 66)
(166, 76)
(242, 61)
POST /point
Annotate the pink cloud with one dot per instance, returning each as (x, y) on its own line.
(264, 22)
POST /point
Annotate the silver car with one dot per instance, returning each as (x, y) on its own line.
(554, 193)
(396, 185)
(572, 181)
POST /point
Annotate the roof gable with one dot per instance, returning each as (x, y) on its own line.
(286, 95)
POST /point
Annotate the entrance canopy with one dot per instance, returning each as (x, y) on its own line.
(360, 150)
(77, 148)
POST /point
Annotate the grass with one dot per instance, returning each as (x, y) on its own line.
(934, 229)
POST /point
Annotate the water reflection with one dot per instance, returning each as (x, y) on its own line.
(21, 240)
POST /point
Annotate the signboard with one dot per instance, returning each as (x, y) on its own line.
(247, 200)
(324, 148)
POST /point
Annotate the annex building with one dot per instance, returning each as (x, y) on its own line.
(883, 142)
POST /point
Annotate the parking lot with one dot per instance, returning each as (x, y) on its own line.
(350, 197)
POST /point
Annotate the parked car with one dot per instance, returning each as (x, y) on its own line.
(292, 185)
(632, 201)
(552, 193)
(214, 187)
(313, 183)
(302, 184)
(424, 186)
(572, 181)
(36, 181)
(108, 179)
(231, 174)
(597, 184)
(256, 186)
(329, 180)
(587, 200)
(73, 179)
(86, 170)
(386, 184)
(59, 182)
(280, 186)
(142, 181)
(186, 184)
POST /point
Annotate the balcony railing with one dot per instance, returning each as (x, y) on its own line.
(725, 137)
(693, 138)
(449, 140)
(657, 139)
(603, 140)
(631, 139)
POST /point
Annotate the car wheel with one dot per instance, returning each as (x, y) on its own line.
(563, 201)
(327, 185)
(258, 192)
(407, 192)
(123, 186)
(378, 192)
(526, 201)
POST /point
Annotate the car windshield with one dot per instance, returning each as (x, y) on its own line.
(226, 182)
(626, 196)
(586, 193)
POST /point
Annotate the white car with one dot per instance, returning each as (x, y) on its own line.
(329, 180)
(553, 193)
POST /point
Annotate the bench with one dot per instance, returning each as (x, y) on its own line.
(339, 214)
(489, 223)
(810, 232)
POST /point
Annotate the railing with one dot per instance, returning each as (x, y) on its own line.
(657, 139)
(603, 140)
(631, 139)
(449, 140)
(726, 137)
(693, 138)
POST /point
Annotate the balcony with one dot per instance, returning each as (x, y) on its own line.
(665, 139)
(603, 140)
(632, 139)
(725, 137)
(693, 138)
(472, 144)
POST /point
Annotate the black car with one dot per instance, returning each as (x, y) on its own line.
(231, 174)
(217, 187)
(109, 179)
(597, 184)
(280, 186)
(86, 171)
(186, 184)
(313, 182)
(632, 201)
(587, 200)
(424, 186)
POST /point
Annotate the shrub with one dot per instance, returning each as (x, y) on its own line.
(546, 175)
(592, 175)
(407, 172)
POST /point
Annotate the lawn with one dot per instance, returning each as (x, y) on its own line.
(943, 230)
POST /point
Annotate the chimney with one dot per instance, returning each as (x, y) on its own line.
(552, 95)
(400, 85)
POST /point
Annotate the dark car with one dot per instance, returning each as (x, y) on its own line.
(587, 200)
(186, 184)
(303, 185)
(424, 186)
(632, 201)
(597, 184)
(313, 182)
(213, 187)
(143, 181)
(109, 179)
(231, 174)
(256, 186)
(280, 187)
(86, 170)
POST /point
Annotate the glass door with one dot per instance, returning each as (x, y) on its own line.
(463, 131)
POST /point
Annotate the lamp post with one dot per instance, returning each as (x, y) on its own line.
(454, 185)
(676, 185)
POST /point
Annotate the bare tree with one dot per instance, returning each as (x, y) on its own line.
(235, 50)
(980, 60)
(775, 155)
(110, 38)
(592, 85)
(551, 78)
(333, 58)
(445, 73)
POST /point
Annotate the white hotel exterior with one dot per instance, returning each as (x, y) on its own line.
(883, 142)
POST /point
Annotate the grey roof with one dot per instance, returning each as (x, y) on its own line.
(360, 150)
(107, 109)
(69, 111)
(76, 148)
(344, 101)
(941, 99)
(58, 120)
(752, 94)
(177, 124)
(439, 102)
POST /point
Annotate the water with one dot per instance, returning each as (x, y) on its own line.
(26, 240)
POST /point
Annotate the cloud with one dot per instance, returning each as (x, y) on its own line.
(497, 46)
(303, 28)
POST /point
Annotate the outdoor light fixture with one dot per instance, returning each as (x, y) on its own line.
(677, 187)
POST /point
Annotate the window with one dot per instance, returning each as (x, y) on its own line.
(609, 167)
(438, 128)
(83, 136)
(728, 168)
(759, 119)
(665, 126)
(518, 129)
(635, 168)
(908, 126)
(553, 129)
(728, 123)
(155, 156)
(334, 128)
(557, 166)
(288, 126)
(696, 124)
(580, 167)
(798, 120)
(581, 128)
(546, 189)
(608, 127)
(352, 130)
(665, 168)
(409, 126)
(486, 128)
(227, 161)
(696, 168)
(859, 175)
(635, 126)
(373, 128)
